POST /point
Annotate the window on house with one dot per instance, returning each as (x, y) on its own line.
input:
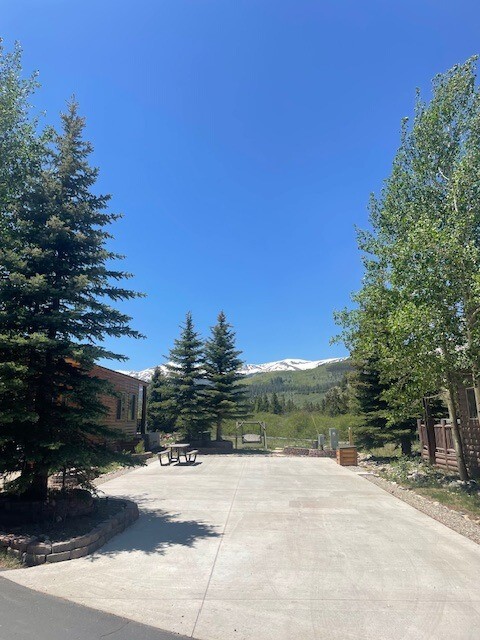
(472, 405)
(132, 414)
(120, 405)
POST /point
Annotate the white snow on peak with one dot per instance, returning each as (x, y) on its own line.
(289, 364)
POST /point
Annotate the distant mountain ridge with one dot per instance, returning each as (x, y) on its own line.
(288, 364)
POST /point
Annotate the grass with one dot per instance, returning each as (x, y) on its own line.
(459, 500)
(431, 482)
(6, 562)
(297, 427)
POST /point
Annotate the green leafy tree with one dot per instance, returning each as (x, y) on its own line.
(335, 402)
(422, 256)
(161, 409)
(55, 282)
(226, 395)
(186, 382)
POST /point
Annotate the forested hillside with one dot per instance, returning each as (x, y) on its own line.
(296, 389)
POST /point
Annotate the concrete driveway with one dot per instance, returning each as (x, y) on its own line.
(272, 548)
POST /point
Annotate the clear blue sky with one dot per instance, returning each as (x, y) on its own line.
(241, 139)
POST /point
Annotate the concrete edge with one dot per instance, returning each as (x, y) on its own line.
(31, 551)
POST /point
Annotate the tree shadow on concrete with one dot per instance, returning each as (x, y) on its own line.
(155, 532)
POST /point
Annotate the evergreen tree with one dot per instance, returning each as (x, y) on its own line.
(225, 393)
(161, 409)
(276, 407)
(186, 382)
(376, 429)
(266, 403)
(290, 405)
(54, 313)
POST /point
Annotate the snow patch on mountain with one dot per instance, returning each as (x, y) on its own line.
(289, 364)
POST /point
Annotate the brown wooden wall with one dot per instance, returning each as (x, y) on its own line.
(470, 433)
(125, 387)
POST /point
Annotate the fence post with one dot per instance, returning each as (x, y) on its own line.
(431, 443)
(443, 422)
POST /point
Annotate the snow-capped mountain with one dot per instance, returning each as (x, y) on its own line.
(145, 375)
(289, 364)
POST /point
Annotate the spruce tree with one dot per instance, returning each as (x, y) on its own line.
(225, 393)
(276, 407)
(376, 429)
(161, 411)
(55, 282)
(267, 407)
(186, 381)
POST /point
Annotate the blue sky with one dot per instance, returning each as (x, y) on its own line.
(241, 139)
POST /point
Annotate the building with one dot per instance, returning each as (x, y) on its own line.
(127, 408)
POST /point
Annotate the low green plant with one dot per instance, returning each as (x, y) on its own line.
(140, 447)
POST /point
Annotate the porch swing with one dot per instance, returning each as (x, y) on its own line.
(251, 438)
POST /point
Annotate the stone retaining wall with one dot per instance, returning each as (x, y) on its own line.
(33, 550)
(312, 453)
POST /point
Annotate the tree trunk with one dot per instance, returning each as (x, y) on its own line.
(37, 479)
(457, 440)
(406, 444)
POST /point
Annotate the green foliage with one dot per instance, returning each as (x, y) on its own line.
(337, 400)
(186, 382)
(417, 312)
(297, 389)
(276, 406)
(56, 280)
(299, 425)
(225, 394)
(369, 394)
(140, 447)
(161, 408)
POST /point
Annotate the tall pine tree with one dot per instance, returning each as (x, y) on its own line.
(186, 381)
(161, 408)
(55, 282)
(225, 394)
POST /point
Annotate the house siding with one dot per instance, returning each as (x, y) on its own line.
(126, 388)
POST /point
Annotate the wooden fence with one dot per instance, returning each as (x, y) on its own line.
(436, 441)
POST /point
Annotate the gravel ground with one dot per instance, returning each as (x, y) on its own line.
(453, 519)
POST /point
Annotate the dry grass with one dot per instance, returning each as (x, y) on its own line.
(6, 562)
